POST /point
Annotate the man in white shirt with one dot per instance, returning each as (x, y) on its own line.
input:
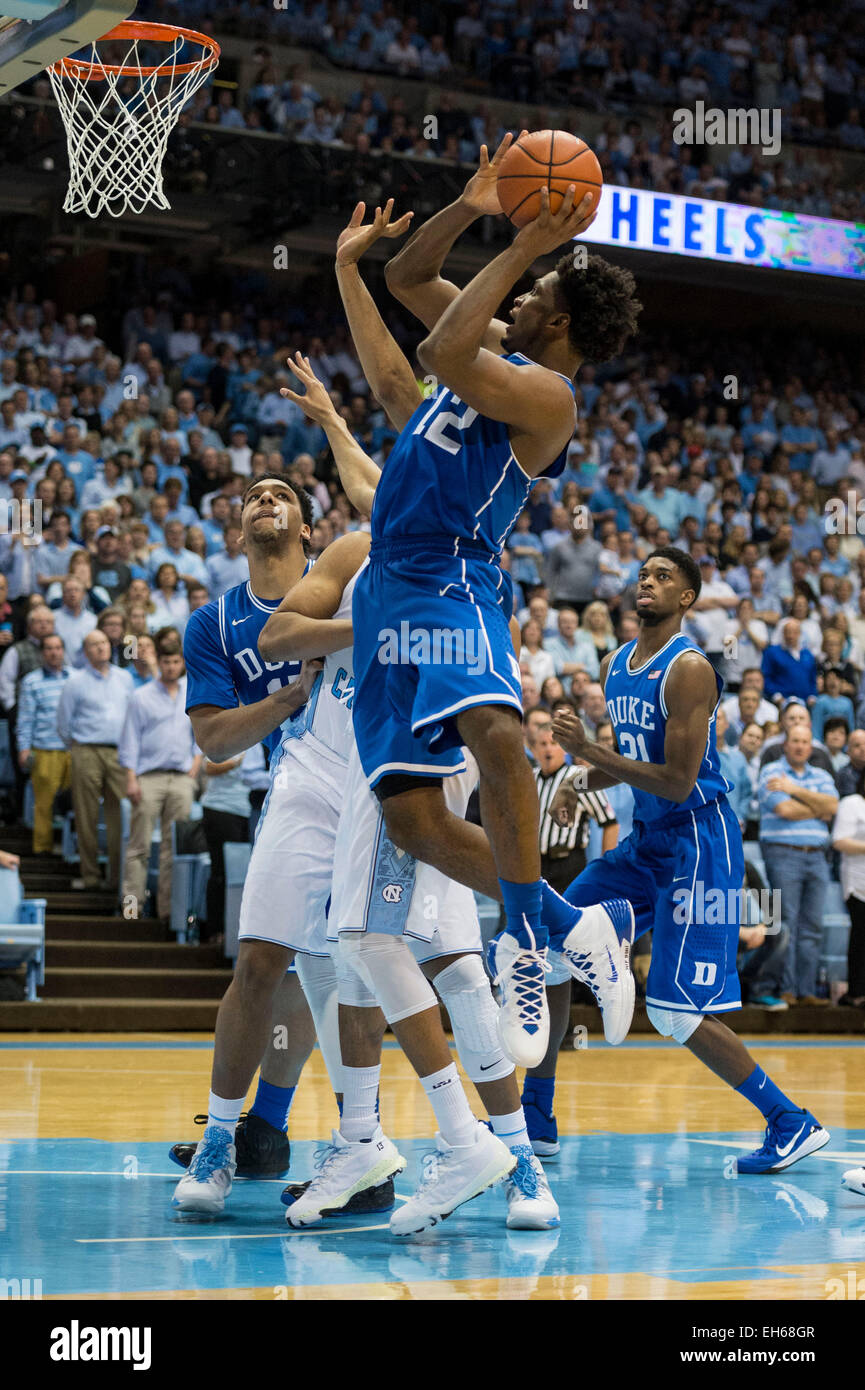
(716, 603)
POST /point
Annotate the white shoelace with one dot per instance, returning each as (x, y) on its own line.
(529, 991)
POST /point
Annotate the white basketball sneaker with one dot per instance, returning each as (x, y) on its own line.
(595, 955)
(453, 1175)
(854, 1180)
(207, 1181)
(345, 1168)
(524, 1017)
(531, 1204)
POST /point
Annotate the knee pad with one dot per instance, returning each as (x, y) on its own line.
(466, 993)
(351, 989)
(389, 970)
(672, 1023)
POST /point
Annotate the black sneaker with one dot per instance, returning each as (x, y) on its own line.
(262, 1151)
(371, 1199)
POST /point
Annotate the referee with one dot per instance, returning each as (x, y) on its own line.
(563, 847)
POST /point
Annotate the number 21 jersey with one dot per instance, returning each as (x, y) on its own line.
(638, 713)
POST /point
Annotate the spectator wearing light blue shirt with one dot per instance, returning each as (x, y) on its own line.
(661, 501)
(526, 551)
(571, 648)
(72, 620)
(189, 566)
(39, 743)
(90, 719)
(229, 567)
(157, 748)
(797, 802)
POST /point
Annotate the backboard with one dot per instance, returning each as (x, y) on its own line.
(34, 33)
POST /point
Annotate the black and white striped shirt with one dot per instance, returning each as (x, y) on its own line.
(590, 805)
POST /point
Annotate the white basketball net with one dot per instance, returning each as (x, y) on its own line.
(117, 125)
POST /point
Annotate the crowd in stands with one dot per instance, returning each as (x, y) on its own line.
(631, 64)
(807, 63)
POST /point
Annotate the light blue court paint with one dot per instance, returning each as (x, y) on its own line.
(652, 1203)
(161, 1045)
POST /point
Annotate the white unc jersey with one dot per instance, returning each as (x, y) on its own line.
(325, 724)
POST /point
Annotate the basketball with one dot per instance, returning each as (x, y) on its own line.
(551, 157)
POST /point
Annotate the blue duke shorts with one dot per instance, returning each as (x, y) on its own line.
(684, 878)
(431, 639)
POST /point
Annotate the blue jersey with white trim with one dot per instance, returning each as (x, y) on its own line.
(638, 712)
(453, 473)
(223, 663)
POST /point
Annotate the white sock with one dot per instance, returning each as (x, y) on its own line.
(457, 1124)
(360, 1091)
(511, 1129)
(223, 1114)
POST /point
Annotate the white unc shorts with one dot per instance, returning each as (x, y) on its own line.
(379, 888)
(288, 884)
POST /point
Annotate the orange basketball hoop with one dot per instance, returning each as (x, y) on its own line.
(118, 115)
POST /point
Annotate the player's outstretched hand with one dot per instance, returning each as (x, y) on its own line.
(568, 730)
(355, 239)
(480, 193)
(563, 807)
(549, 230)
(315, 402)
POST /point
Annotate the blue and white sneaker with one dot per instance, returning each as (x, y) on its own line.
(531, 1204)
(790, 1135)
(207, 1181)
(597, 952)
(524, 1016)
(543, 1131)
(854, 1180)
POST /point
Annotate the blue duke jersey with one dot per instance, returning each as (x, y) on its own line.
(223, 664)
(453, 473)
(638, 712)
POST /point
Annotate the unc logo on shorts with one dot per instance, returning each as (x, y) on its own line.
(392, 892)
(704, 973)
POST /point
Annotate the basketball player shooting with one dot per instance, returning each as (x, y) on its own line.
(684, 856)
(501, 415)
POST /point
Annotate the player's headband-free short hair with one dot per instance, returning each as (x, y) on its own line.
(684, 563)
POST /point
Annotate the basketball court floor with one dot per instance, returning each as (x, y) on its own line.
(650, 1205)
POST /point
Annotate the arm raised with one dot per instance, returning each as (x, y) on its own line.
(303, 625)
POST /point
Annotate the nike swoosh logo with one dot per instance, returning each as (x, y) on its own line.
(782, 1153)
(680, 879)
(235, 622)
(615, 975)
(762, 1083)
(490, 1066)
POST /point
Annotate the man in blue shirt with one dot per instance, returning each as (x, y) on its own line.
(797, 802)
(90, 718)
(157, 749)
(40, 747)
(228, 567)
(789, 668)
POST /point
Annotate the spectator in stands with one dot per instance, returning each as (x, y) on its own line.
(598, 627)
(797, 804)
(225, 816)
(572, 566)
(143, 666)
(571, 648)
(789, 669)
(18, 660)
(72, 620)
(227, 567)
(170, 605)
(835, 735)
(90, 719)
(734, 767)
(110, 572)
(157, 749)
(533, 657)
(831, 704)
(848, 838)
(848, 776)
(794, 712)
(41, 750)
